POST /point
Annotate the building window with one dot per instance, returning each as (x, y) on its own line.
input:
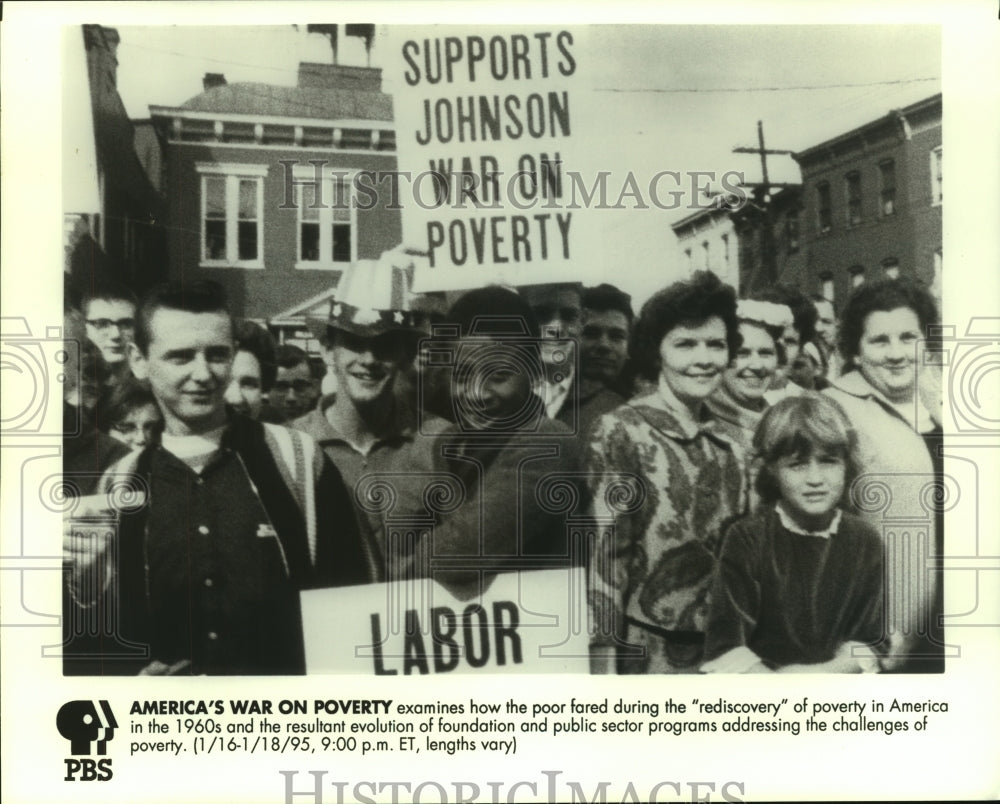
(824, 212)
(826, 287)
(792, 232)
(327, 222)
(705, 255)
(936, 282)
(232, 214)
(852, 188)
(936, 192)
(857, 274)
(890, 266)
(688, 263)
(887, 181)
(725, 252)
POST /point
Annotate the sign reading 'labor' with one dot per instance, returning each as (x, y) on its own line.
(521, 622)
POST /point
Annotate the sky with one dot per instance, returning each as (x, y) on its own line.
(689, 91)
(661, 97)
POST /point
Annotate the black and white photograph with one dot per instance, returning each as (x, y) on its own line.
(403, 347)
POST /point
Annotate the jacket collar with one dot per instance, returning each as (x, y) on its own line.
(855, 384)
(725, 407)
(661, 416)
(325, 431)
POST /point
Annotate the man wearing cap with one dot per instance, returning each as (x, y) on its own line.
(369, 428)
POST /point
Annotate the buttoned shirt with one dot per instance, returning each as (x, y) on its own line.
(209, 570)
(220, 582)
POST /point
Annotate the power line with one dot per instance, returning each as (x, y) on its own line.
(654, 90)
(675, 90)
(199, 57)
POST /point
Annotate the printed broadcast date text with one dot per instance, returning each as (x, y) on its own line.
(365, 726)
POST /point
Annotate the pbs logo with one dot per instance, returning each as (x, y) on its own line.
(89, 727)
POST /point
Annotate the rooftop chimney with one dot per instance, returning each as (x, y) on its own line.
(213, 80)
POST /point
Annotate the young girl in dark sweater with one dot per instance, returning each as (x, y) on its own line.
(799, 585)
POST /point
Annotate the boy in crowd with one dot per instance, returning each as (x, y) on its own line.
(109, 310)
(558, 309)
(368, 428)
(604, 339)
(87, 451)
(826, 334)
(296, 389)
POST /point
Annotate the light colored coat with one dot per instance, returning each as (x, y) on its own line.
(894, 493)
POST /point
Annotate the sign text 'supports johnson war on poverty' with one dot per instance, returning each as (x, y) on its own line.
(486, 127)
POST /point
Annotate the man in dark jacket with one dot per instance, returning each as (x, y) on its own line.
(231, 517)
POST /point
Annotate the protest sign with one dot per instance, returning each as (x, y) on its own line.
(486, 128)
(522, 622)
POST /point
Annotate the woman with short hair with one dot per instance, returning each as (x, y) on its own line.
(128, 413)
(673, 478)
(897, 423)
(740, 399)
(254, 368)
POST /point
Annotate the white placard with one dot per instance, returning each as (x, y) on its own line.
(522, 622)
(487, 127)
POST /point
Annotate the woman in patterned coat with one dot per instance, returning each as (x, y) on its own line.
(673, 479)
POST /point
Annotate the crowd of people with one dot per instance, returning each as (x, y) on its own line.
(744, 430)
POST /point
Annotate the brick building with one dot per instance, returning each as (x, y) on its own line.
(871, 202)
(261, 184)
(789, 256)
(869, 206)
(707, 241)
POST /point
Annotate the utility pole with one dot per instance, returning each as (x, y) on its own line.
(768, 273)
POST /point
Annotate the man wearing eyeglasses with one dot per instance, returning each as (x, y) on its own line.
(296, 389)
(109, 310)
